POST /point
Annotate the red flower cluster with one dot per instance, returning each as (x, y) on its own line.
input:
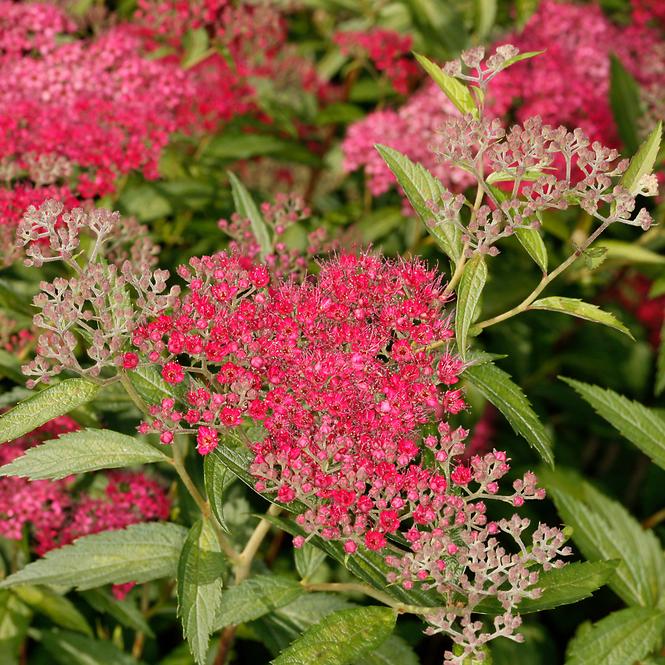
(387, 49)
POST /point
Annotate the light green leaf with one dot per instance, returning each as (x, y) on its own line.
(341, 637)
(660, 364)
(582, 310)
(603, 529)
(625, 103)
(561, 586)
(255, 597)
(527, 55)
(199, 587)
(626, 251)
(56, 607)
(468, 299)
(455, 90)
(139, 553)
(308, 560)
(497, 386)
(621, 638)
(640, 425)
(217, 477)
(421, 187)
(533, 243)
(14, 621)
(247, 208)
(485, 13)
(45, 405)
(394, 651)
(74, 649)
(643, 161)
(195, 43)
(82, 451)
(123, 611)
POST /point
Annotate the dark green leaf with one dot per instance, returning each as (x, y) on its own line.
(45, 405)
(75, 649)
(497, 386)
(123, 611)
(341, 638)
(139, 553)
(308, 560)
(394, 651)
(14, 621)
(660, 364)
(625, 102)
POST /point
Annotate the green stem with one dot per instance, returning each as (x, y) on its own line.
(246, 557)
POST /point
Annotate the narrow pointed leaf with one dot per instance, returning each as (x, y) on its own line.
(247, 208)
(217, 477)
(643, 161)
(521, 56)
(533, 243)
(82, 451)
(640, 425)
(55, 606)
(621, 638)
(581, 310)
(455, 90)
(625, 103)
(66, 648)
(498, 388)
(199, 587)
(139, 553)
(602, 530)
(421, 187)
(45, 405)
(468, 299)
(629, 252)
(341, 637)
(255, 597)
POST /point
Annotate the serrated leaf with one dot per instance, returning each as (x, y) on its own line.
(199, 587)
(561, 586)
(139, 553)
(603, 530)
(308, 559)
(45, 405)
(255, 597)
(341, 638)
(640, 425)
(217, 477)
(626, 251)
(581, 310)
(149, 384)
(82, 451)
(625, 103)
(56, 607)
(247, 208)
(643, 161)
(498, 388)
(621, 638)
(455, 90)
(533, 243)
(468, 299)
(421, 187)
(123, 611)
(69, 648)
(594, 257)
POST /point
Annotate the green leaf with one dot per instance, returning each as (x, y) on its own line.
(149, 384)
(660, 364)
(123, 611)
(582, 310)
(421, 187)
(625, 103)
(255, 597)
(217, 477)
(199, 587)
(643, 161)
(561, 586)
(626, 251)
(497, 387)
(527, 55)
(45, 405)
(533, 243)
(621, 638)
(394, 651)
(455, 90)
(341, 637)
(139, 553)
(603, 529)
(14, 621)
(53, 605)
(594, 257)
(640, 425)
(247, 208)
(196, 47)
(82, 451)
(485, 14)
(308, 560)
(468, 299)
(74, 649)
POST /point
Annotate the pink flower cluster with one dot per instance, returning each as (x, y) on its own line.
(56, 515)
(388, 50)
